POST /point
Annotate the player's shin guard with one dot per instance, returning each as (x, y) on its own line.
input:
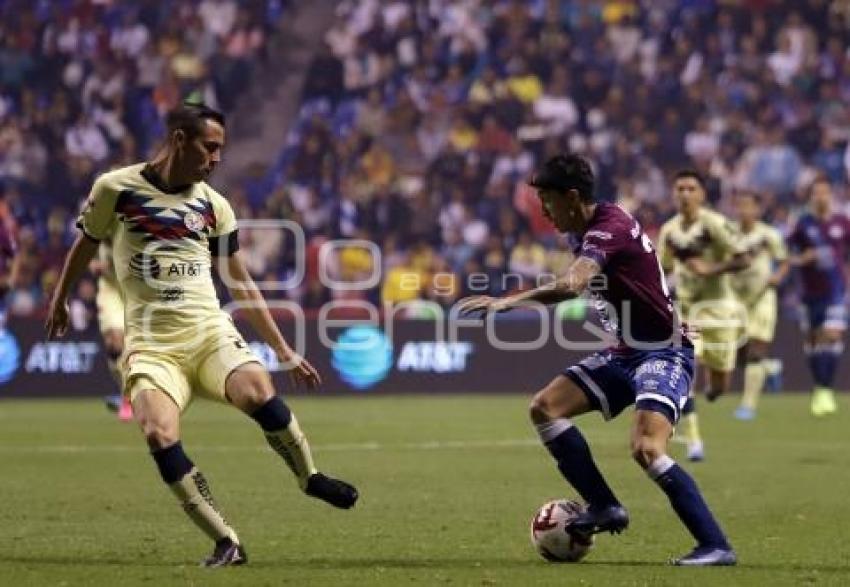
(285, 437)
(571, 452)
(192, 490)
(754, 376)
(687, 502)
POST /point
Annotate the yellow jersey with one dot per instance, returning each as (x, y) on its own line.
(163, 244)
(766, 246)
(712, 238)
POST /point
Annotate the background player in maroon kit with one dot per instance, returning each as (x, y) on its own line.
(821, 240)
(651, 367)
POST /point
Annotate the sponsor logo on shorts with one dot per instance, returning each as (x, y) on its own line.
(649, 385)
(651, 368)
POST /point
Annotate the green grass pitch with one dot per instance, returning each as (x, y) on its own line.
(448, 486)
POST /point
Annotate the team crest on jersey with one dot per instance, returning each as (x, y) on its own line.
(194, 221)
(836, 232)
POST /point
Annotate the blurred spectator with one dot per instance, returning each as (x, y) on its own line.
(528, 259)
(421, 122)
(402, 283)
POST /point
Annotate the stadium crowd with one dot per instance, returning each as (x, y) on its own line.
(83, 88)
(421, 120)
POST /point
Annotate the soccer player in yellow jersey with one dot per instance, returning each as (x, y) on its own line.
(110, 319)
(700, 247)
(755, 287)
(168, 228)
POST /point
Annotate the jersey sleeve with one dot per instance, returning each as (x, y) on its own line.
(224, 236)
(98, 217)
(776, 245)
(601, 244)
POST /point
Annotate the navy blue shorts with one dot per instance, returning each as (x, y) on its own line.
(658, 380)
(823, 314)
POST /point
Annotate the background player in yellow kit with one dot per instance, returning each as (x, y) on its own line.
(755, 287)
(700, 247)
(168, 229)
(110, 319)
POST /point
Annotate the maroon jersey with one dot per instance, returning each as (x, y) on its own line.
(639, 308)
(824, 279)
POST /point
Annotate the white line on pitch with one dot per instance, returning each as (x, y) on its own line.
(339, 447)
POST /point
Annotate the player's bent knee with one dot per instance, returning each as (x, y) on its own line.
(539, 410)
(249, 389)
(756, 353)
(645, 450)
(159, 434)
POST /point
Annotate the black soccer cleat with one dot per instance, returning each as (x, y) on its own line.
(708, 556)
(226, 554)
(613, 519)
(333, 491)
(712, 394)
(112, 402)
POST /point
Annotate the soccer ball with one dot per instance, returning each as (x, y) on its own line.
(549, 532)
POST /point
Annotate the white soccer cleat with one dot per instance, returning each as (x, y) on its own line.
(696, 451)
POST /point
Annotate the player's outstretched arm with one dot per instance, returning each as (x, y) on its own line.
(569, 286)
(244, 290)
(82, 252)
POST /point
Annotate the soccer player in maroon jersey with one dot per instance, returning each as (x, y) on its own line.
(652, 366)
(821, 242)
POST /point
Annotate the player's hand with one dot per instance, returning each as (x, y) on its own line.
(483, 304)
(805, 258)
(300, 369)
(699, 267)
(57, 319)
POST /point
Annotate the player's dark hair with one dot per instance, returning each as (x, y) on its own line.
(567, 172)
(189, 117)
(816, 181)
(756, 197)
(690, 174)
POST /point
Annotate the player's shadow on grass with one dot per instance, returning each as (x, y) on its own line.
(495, 563)
(396, 563)
(393, 563)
